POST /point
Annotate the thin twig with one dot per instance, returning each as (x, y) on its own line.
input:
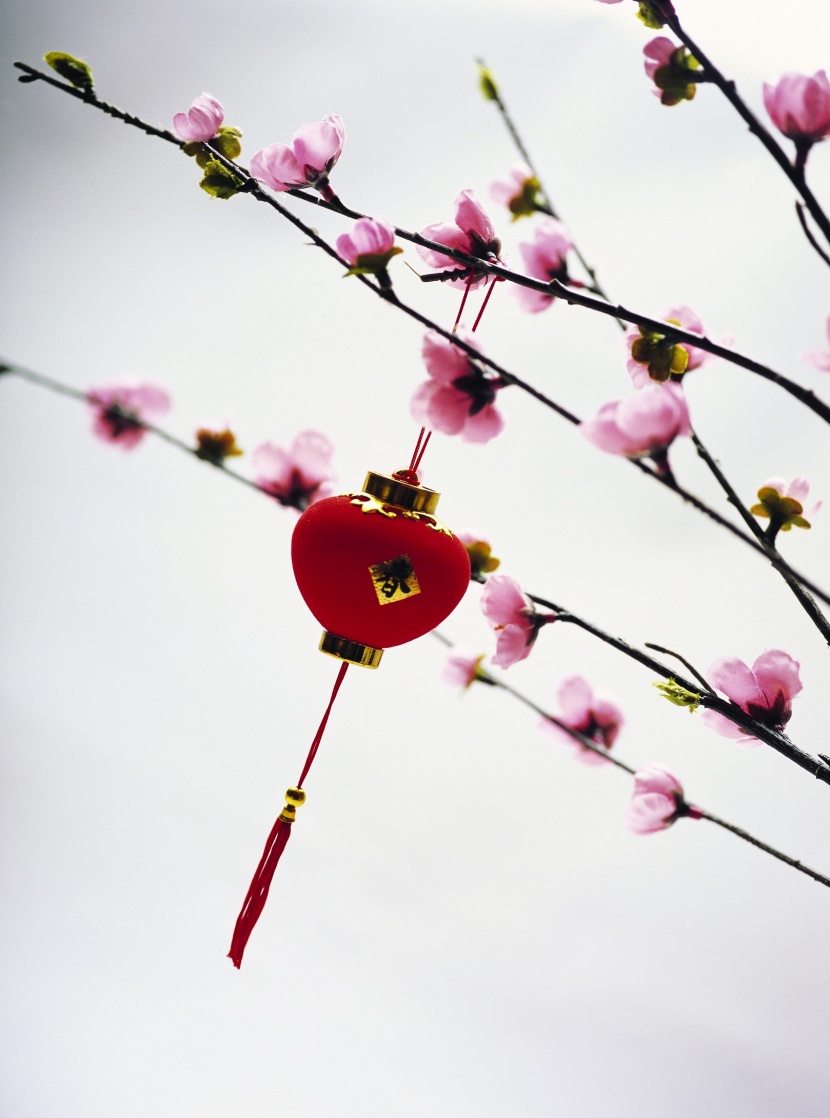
(805, 600)
(150, 428)
(808, 233)
(779, 741)
(669, 652)
(794, 173)
(495, 95)
(588, 744)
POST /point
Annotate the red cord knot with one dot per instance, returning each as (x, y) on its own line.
(294, 798)
(409, 476)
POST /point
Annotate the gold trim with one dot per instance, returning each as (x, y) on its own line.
(392, 491)
(353, 651)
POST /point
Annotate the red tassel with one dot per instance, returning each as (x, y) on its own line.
(258, 889)
(280, 833)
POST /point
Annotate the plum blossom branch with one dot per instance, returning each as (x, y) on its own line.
(729, 710)
(251, 186)
(808, 233)
(793, 171)
(494, 94)
(483, 267)
(795, 863)
(76, 394)
(586, 743)
(805, 600)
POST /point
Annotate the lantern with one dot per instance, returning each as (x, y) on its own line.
(376, 569)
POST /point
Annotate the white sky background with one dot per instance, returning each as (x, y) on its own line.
(461, 927)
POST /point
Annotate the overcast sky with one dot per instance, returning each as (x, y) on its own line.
(461, 926)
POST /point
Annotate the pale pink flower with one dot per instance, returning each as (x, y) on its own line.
(783, 503)
(306, 161)
(461, 668)
(504, 191)
(459, 396)
(545, 259)
(672, 69)
(765, 691)
(120, 410)
(799, 106)
(201, 121)
(519, 192)
(472, 232)
(657, 802)
(687, 319)
(370, 236)
(820, 357)
(595, 716)
(642, 425)
(480, 552)
(658, 52)
(513, 617)
(296, 476)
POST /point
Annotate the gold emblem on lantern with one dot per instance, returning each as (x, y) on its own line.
(394, 580)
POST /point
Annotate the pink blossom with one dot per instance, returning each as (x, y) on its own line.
(658, 52)
(642, 425)
(782, 503)
(472, 232)
(513, 617)
(459, 396)
(201, 121)
(503, 191)
(595, 716)
(295, 477)
(461, 668)
(657, 802)
(672, 69)
(800, 106)
(684, 317)
(306, 161)
(121, 409)
(370, 236)
(519, 192)
(765, 692)
(544, 259)
(820, 357)
(480, 552)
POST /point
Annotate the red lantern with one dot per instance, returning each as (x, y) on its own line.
(376, 569)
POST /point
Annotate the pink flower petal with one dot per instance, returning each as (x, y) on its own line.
(512, 645)
(277, 167)
(776, 671)
(722, 725)
(445, 362)
(471, 217)
(736, 681)
(319, 145)
(502, 600)
(575, 697)
(483, 426)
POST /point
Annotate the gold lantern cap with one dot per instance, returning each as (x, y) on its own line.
(352, 651)
(393, 490)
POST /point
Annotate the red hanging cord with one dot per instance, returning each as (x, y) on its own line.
(419, 454)
(410, 474)
(279, 836)
(496, 279)
(463, 301)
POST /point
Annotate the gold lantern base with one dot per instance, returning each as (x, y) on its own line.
(353, 651)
